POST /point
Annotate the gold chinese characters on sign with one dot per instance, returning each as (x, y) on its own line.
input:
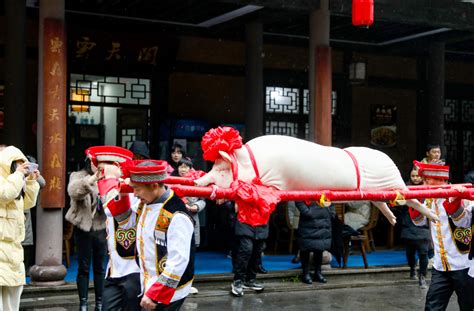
(83, 47)
(114, 51)
(54, 115)
(148, 55)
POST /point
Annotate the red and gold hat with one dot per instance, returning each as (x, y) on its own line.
(432, 170)
(109, 154)
(147, 171)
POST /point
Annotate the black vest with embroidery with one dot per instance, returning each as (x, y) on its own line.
(471, 251)
(125, 241)
(461, 236)
(170, 208)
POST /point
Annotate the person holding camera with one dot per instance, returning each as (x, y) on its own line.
(18, 191)
(90, 236)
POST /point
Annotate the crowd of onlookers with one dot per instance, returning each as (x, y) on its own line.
(21, 182)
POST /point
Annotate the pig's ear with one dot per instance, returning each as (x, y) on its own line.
(225, 156)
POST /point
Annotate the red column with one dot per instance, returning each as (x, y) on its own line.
(323, 96)
(54, 113)
(48, 268)
(320, 76)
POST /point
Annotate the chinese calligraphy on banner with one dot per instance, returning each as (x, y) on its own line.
(54, 115)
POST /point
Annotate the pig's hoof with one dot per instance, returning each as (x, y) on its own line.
(392, 220)
(433, 217)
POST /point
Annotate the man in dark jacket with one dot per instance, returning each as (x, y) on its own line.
(314, 235)
(247, 256)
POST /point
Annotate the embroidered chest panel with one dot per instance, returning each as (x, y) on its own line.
(125, 241)
(164, 220)
(125, 237)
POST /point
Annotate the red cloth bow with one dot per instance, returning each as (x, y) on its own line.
(255, 202)
(220, 139)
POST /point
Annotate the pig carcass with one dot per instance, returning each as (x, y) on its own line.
(288, 163)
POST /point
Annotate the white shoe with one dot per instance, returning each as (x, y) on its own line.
(430, 263)
(193, 290)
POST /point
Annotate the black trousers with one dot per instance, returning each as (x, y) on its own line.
(317, 260)
(420, 246)
(174, 306)
(246, 257)
(443, 284)
(121, 294)
(91, 246)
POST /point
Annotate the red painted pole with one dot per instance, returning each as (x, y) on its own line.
(333, 196)
(172, 180)
(424, 187)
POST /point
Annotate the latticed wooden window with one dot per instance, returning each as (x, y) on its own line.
(107, 89)
(287, 111)
(459, 136)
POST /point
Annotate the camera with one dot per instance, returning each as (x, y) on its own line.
(32, 167)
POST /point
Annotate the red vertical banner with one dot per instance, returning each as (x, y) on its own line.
(323, 96)
(54, 114)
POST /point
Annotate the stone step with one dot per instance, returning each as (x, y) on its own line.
(35, 297)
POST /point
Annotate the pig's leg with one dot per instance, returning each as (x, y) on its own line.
(386, 212)
(422, 209)
(204, 180)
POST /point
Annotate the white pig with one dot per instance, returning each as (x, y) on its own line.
(288, 163)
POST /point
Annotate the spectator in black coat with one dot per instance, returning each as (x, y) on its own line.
(417, 238)
(247, 256)
(314, 235)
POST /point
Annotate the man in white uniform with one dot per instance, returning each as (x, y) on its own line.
(122, 282)
(451, 238)
(165, 233)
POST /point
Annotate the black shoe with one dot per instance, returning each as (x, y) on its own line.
(98, 304)
(83, 290)
(306, 278)
(413, 274)
(252, 284)
(261, 269)
(237, 288)
(319, 277)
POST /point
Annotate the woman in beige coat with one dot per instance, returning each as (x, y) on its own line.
(18, 191)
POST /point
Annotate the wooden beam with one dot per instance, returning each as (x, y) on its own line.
(457, 15)
(298, 5)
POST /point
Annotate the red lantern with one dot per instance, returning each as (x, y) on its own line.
(362, 12)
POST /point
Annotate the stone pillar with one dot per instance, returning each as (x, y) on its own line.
(254, 105)
(48, 269)
(15, 74)
(320, 76)
(436, 77)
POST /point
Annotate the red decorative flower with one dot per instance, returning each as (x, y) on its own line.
(225, 139)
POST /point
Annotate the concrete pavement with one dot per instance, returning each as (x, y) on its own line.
(386, 298)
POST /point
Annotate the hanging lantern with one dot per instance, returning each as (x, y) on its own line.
(362, 12)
